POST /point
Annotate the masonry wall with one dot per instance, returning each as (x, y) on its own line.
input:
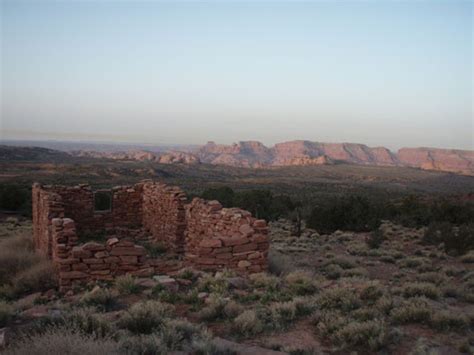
(46, 206)
(218, 238)
(164, 214)
(208, 236)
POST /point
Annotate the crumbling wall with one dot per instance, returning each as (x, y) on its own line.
(164, 214)
(94, 261)
(46, 205)
(218, 238)
(210, 237)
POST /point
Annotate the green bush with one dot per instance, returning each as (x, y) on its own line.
(416, 289)
(355, 213)
(15, 198)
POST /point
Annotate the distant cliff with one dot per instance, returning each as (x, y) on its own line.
(253, 154)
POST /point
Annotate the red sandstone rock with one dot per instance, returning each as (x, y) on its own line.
(210, 243)
(93, 246)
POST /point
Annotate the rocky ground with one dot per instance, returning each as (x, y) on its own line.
(324, 294)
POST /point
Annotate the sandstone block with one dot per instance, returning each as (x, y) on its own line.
(243, 264)
(210, 243)
(244, 247)
(93, 246)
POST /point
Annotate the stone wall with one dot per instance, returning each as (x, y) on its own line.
(164, 214)
(94, 261)
(218, 238)
(46, 206)
(208, 236)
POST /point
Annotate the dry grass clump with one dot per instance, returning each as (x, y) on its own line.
(247, 323)
(414, 262)
(178, 334)
(372, 291)
(214, 308)
(126, 285)
(431, 277)
(217, 284)
(283, 313)
(414, 310)
(342, 298)
(62, 341)
(6, 313)
(88, 322)
(264, 280)
(21, 269)
(38, 277)
(416, 289)
(101, 298)
(301, 282)
(145, 317)
(232, 309)
(371, 334)
(449, 321)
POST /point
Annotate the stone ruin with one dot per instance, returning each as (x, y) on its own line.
(148, 215)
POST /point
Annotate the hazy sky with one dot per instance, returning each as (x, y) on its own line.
(393, 73)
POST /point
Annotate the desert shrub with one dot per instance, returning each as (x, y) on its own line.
(264, 204)
(414, 310)
(214, 284)
(384, 304)
(371, 334)
(247, 323)
(6, 313)
(329, 322)
(283, 314)
(413, 262)
(372, 291)
(366, 313)
(86, 321)
(176, 334)
(468, 258)
(39, 277)
(343, 262)
(435, 233)
(126, 285)
(358, 272)
(62, 341)
(433, 277)
(145, 317)
(375, 239)
(214, 308)
(301, 283)
(278, 264)
(102, 298)
(355, 213)
(263, 280)
(15, 198)
(232, 309)
(144, 344)
(333, 271)
(16, 255)
(456, 239)
(415, 289)
(341, 298)
(448, 321)
(225, 195)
